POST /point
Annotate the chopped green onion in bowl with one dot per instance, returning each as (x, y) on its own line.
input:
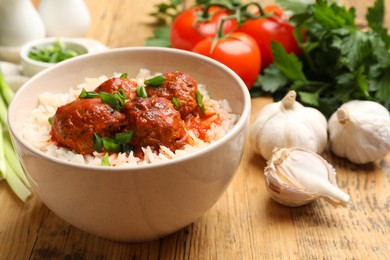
(53, 53)
(40, 54)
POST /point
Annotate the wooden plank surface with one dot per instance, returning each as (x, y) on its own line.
(244, 224)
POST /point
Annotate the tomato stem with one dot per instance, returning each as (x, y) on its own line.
(205, 14)
(259, 7)
(220, 31)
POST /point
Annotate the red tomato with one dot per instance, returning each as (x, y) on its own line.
(187, 30)
(238, 51)
(265, 30)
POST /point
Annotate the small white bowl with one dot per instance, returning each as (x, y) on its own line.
(30, 67)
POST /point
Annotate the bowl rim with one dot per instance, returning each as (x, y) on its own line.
(237, 127)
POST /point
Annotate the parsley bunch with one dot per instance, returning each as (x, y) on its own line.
(339, 61)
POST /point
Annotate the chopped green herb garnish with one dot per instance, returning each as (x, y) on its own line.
(97, 142)
(105, 161)
(121, 97)
(110, 145)
(50, 120)
(123, 76)
(155, 81)
(120, 143)
(175, 102)
(141, 92)
(128, 148)
(52, 53)
(199, 101)
(88, 94)
(123, 138)
(116, 100)
(109, 99)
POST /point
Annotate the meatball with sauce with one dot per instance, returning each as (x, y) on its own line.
(179, 85)
(75, 123)
(155, 122)
(113, 85)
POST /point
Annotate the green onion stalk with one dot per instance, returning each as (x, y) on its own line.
(10, 168)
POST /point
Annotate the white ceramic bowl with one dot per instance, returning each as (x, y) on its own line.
(30, 67)
(134, 203)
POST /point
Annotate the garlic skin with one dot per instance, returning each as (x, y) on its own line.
(288, 123)
(296, 176)
(360, 131)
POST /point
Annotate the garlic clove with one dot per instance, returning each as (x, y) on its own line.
(257, 127)
(296, 176)
(287, 123)
(360, 131)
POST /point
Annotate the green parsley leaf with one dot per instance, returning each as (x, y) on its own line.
(376, 15)
(309, 98)
(382, 86)
(161, 37)
(296, 6)
(380, 51)
(354, 48)
(272, 79)
(332, 15)
(288, 64)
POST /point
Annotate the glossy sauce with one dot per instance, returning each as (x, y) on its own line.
(155, 120)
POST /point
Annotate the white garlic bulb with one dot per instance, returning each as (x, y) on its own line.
(296, 176)
(360, 131)
(288, 123)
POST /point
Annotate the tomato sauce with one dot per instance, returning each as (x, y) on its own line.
(123, 120)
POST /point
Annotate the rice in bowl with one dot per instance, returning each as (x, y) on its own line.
(36, 128)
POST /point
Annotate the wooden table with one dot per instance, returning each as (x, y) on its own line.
(244, 224)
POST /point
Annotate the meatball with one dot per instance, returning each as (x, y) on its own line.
(155, 122)
(180, 85)
(75, 123)
(114, 84)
